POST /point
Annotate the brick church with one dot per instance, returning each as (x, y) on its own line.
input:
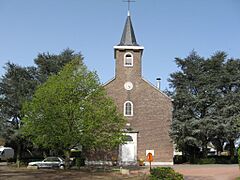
(148, 110)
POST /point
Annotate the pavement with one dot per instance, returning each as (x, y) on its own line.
(209, 172)
(190, 172)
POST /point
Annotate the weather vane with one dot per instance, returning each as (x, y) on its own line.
(129, 1)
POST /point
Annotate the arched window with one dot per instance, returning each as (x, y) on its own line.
(128, 108)
(128, 59)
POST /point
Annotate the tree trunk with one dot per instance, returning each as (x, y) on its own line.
(232, 148)
(194, 155)
(18, 155)
(204, 150)
(67, 159)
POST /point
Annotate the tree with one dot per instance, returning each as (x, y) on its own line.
(203, 111)
(18, 84)
(50, 64)
(72, 108)
(228, 104)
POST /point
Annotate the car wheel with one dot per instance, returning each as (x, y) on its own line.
(61, 167)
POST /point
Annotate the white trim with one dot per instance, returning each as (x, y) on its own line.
(150, 151)
(124, 62)
(124, 108)
(109, 81)
(128, 47)
(159, 163)
(157, 89)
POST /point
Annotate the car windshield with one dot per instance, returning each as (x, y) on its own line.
(51, 159)
(47, 160)
(0, 152)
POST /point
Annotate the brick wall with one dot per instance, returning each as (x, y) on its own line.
(152, 110)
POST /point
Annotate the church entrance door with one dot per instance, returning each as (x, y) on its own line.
(128, 151)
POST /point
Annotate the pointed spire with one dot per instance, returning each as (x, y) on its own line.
(128, 36)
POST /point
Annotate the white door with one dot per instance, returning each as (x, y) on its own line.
(128, 150)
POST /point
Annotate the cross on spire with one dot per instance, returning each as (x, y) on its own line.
(129, 2)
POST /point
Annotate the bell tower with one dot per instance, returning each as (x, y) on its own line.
(128, 54)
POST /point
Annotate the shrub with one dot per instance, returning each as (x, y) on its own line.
(217, 160)
(179, 159)
(166, 173)
(206, 161)
(226, 160)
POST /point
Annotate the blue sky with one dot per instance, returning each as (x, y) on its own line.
(166, 28)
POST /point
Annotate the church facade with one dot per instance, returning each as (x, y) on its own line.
(148, 110)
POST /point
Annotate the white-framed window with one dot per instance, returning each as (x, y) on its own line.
(128, 108)
(128, 59)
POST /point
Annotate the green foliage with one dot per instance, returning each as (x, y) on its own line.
(72, 109)
(226, 160)
(206, 161)
(18, 85)
(206, 95)
(50, 64)
(166, 173)
(80, 161)
(179, 159)
(216, 160)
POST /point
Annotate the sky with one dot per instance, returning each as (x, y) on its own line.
(166, 28)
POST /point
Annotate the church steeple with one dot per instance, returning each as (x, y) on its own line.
(128, 54)
(128, 36)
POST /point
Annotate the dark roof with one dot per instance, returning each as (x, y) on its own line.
(128, 36)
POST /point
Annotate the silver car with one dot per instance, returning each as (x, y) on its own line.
(49, 162)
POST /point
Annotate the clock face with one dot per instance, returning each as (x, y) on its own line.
(128, 86)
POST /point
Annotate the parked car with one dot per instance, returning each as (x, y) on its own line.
(6, 153)
(49, 162)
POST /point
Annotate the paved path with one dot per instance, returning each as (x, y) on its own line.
(190, 172)
(209, 172)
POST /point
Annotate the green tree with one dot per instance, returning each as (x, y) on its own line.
(18, 85)
(202, 108)
(72, 108)
(50, 64)
(228, 101)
